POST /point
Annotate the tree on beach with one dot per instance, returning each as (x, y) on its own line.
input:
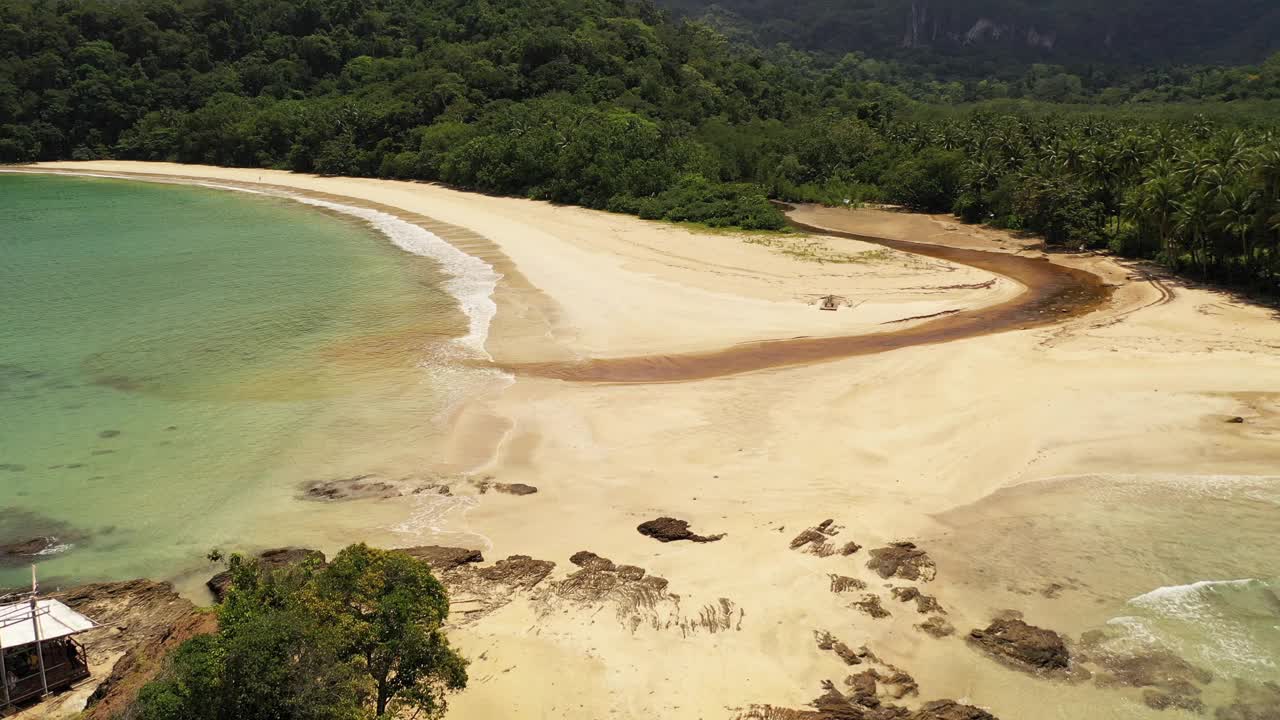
(356, 639)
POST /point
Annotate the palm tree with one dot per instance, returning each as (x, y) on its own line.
(1157, 204)
(1194, 218)
(1236, 218)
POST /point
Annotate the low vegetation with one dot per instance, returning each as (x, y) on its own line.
(358, 638)
(611, 104)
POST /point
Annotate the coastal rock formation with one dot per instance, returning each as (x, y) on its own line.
(140, 621)
(269, 560)
(1252, 701)
(863, 703)
(950, 710)
(1158, 700)
(486, 588)
(903, 560)
(357, 487)
(937, 627)
(816, 540)
(870, 604)
(590, 560)
(21, 551)
(841, 583)
(667, 529)
(827, 641)
(1167, 680)
(599, 580)
(442, 558)
(925, 604)
(1022, 646)
(637, 598)
(515, 488)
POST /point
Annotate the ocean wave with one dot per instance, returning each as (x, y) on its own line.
(1223, 624)
(471, 282)
(1187, 601)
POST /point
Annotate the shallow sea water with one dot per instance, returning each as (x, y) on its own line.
(176, 361)
(1127, 567)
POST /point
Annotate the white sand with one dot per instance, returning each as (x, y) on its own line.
(879, 443)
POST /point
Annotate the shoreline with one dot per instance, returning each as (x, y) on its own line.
(1054, 291)
(914, 445)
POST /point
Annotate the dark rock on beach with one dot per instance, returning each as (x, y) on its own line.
(1022, 646)
(442, 558)
(950, 710)
(843, 583)
(269, 560)
(666, 529)
(1158, 700)
(870, 604)
(925, 604)
(863, 704)
(515, 488)
(903, 560)
(937, 627)
(588, 559)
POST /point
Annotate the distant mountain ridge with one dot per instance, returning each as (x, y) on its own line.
(1074, 31)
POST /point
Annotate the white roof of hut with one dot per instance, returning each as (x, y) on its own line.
(55, 620)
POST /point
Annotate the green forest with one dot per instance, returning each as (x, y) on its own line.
(357, 638)
(614, 104)
(1136, 32)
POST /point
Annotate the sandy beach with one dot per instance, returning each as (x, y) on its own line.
(912, 444)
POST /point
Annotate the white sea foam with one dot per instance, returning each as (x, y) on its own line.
(432, 513)
(1186, 601)
(1209, 618)
(472, 281)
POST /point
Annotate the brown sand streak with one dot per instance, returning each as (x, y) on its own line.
(1053, 293)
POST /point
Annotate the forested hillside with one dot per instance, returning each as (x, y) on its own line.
(1062, 31)
(609, 104)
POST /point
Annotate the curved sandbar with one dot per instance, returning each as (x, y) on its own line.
(1053, 293)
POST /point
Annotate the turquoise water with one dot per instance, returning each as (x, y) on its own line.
(175, 361)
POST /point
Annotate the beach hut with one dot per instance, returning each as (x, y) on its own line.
(38, 650)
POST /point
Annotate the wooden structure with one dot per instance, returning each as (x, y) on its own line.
(38, 650)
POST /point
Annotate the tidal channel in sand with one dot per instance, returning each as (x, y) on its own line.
(1053, 293)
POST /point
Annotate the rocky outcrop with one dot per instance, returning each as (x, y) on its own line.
(870, 604)
(515, 488)
(590, 560)
(20, 552)
(950, 710)
(843, 583)
(925, 604)
(270, 561)
(442, 558)
(140, 622)
(902, 560)
(667, 529)
(1023, 646)
(937, 627)
(817, 540)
